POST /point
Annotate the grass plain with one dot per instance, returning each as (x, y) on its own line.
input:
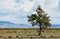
(29, 32)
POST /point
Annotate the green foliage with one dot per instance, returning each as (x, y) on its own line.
(40, 19)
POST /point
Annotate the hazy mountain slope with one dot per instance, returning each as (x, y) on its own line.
(6, 24)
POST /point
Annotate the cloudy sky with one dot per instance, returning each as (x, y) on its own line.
(16, 11)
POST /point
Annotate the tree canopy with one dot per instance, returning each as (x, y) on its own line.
(40, 18)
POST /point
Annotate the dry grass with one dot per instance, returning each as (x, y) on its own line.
(29, 38)
(28, 32)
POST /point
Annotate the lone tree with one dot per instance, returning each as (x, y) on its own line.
(40, 19)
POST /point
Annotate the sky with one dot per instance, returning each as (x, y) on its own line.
(16, 11)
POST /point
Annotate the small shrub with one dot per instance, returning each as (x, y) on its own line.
(7, 32)
(51, 36)
(10, 37)
(17, 36)
(30, 37)
(55, 37)
(42, 30)
(14, 31)
(43, 36)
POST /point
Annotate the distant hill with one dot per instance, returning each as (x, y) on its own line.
(55, 26)
(6, 24)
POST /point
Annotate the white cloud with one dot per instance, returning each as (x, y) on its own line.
(14, 20)
(10, 9)
(41, 3)
(53, 3)
(13, 10)
(12, 5)
(49, 6)
(28, 5)
(55, 20)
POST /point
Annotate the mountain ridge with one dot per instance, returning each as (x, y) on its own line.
(7, 24)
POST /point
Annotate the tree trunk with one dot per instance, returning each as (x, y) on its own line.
(40, 30)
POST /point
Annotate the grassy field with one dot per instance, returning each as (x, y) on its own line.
(28, 32)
